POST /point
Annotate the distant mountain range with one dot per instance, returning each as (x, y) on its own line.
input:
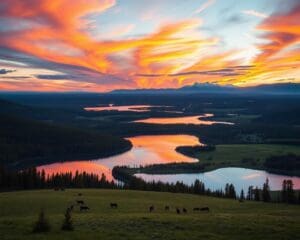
(280, 88)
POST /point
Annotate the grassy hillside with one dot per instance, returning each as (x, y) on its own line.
(228, 219)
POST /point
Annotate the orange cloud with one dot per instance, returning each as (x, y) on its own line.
(174, 55)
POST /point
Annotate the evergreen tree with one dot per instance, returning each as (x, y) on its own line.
(242, 195)
(288, 193)
(256, 194)
(266, 196)
(250, 193)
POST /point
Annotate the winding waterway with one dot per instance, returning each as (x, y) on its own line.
(125, 108)
(161, 149)
(197, 120)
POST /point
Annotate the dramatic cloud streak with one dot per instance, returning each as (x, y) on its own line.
(53, 46)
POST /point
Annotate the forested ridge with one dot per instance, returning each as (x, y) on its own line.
(26, 142)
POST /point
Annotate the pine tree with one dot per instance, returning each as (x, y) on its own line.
(250, 193)
(290, 192)
(242, 195)
(256, 194)
(266, 191)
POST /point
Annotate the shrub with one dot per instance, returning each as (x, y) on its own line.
(68, 223)
(42, 224)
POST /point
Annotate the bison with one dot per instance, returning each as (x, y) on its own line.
(151, 208)
(113, 205)
(84, 208)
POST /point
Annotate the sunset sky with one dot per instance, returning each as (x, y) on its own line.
(101, 45)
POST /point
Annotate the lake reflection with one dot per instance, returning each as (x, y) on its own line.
(197, 120)
(146, 150)
(130, 108)
(241, 178)
(161, 149)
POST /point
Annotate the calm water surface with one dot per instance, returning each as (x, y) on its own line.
(197, 120)
(161, 149)
(242, 178)
(146, 150)
(130, 108)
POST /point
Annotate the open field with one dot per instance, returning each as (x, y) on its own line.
(228, 219)
(245, 155)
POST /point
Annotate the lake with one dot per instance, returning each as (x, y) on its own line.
(130, 108)
(241, 178)
(161, 149)
(197, 120)
(145, 150)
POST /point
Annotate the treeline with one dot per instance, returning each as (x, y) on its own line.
(192, 151)
(286, 195)
(25, 143)
(283, 162)
(33, 179)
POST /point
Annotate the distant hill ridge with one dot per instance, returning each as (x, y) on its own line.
(280, 88)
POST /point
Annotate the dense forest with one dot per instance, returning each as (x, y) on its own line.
(26, 143)
(283, 162)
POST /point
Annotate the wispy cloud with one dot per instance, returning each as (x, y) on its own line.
(255, 13)
(204, 6)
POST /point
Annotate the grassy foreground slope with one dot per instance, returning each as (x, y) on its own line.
(228, 219)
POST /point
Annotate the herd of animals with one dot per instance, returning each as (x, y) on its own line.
(83, 207)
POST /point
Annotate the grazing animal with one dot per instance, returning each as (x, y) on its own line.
(80, 201)
(84, 208)
(151, 208)
(196, 209)
(177, 210)
(79, 194)
(69, 209)
(167, 208)
(113, 205)
(204, 209)
(184, 210)
(56, 189)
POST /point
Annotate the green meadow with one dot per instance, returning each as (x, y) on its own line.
(227, 219)
(245, 155)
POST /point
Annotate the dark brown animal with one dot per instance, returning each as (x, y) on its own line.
(167, 208)
(79, 201)
(70, 209)
(177, 210)
(79, 194)
(56, 189)
(151, 208)
(184, 210)
(84, 208)
(113, 205)
(204, 209)
(196, 209)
